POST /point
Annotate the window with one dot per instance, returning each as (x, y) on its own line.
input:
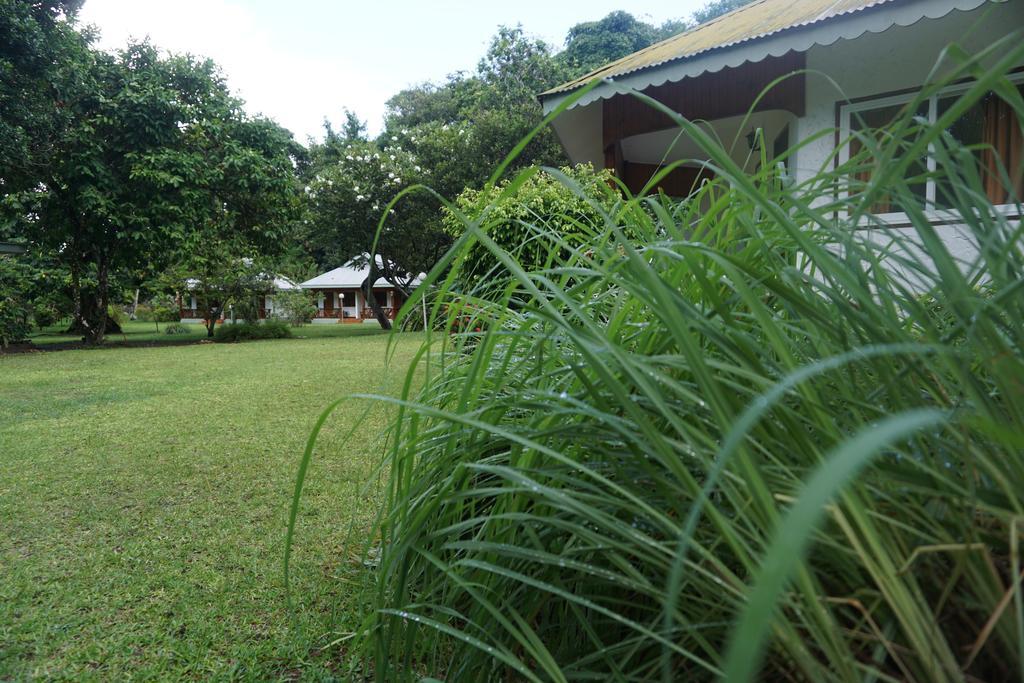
(990, 127)
(348, 298)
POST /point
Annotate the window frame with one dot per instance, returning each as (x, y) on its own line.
(848, 108)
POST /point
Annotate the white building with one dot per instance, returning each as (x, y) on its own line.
(190, 313)
(340, 298)
(851, 60)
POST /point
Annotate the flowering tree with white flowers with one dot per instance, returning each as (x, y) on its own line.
(350, 187)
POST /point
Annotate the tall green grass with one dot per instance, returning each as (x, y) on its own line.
(758, 440)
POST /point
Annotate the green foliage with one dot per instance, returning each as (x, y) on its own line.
(177, 329)
(717, 8)
(593, 44)
(39, 54)
(349, 195)
(44, 315)
(732, 434)
(571, 204)
(158, 311)
(463, 129)
(246, 331)
(295, 306)
(15, 310)
(152, 159)
(117, 314)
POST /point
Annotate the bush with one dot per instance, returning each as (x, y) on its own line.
(513, 218)
(159, 312)
(15, 309)
(177, 328)
(236, 332)
(740, 429)
(295, 306)
(117, 315)
(15, 319)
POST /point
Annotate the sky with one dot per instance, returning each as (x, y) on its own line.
(302, 61)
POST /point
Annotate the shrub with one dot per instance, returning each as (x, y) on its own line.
(741, 428)
(236, 332)
(158, 311)
(295, 306)
(44, 314)
(177, 328)
(571, 205)
(117, 315)
(15, 319)
(15, 309)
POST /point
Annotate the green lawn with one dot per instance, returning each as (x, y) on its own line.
(144, 495)
(149, 334)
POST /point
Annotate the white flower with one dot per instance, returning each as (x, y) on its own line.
(360, 197)
(391, 175)
(349, 157)
(394, 138)
(392, 157)
(356, 188)
(398, 181)
(376, 207)
(417, 168)
(308, 189)
(330, 183)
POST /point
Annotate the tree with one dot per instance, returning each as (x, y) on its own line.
(155, 155)
(243, 205)
(460, 131)
(39, 52)
(103, 200)
(347, 199)
(463, 129)
(224, 284)
(717, 8)
(592, 44)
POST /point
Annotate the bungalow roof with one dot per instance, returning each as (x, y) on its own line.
(751, 33)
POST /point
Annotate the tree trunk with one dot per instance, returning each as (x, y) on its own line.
(135, 304)
(98, 326)
(78, 323)
(212, 314)
(378, 312)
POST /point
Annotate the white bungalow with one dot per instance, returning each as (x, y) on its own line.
(855, 63)
(340, 297)
(192, 314)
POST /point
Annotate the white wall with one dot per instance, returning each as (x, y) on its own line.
(897, 59)
(900, 58)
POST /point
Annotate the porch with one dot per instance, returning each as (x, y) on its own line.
(348, 305)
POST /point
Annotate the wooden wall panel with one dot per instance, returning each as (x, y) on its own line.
(729, 92)
(680, 181)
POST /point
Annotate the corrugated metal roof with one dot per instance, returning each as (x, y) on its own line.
(280, 282)
(759, 19)
(348, 275)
